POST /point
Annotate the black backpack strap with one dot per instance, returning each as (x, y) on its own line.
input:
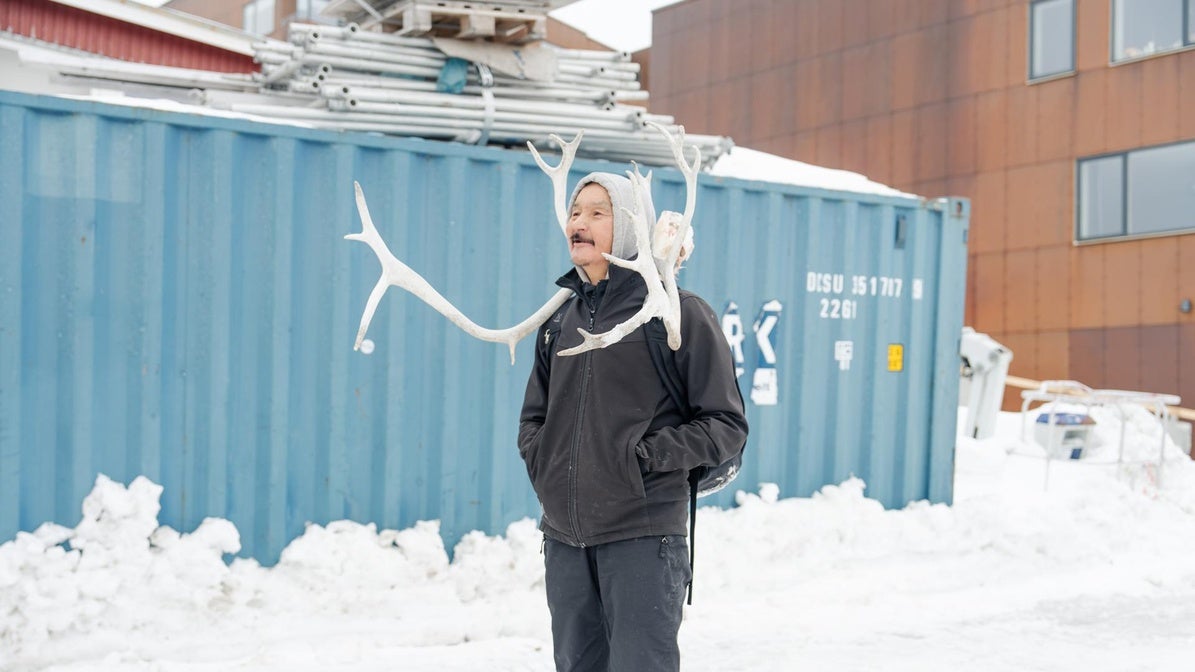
(692, 530)
(665, 366)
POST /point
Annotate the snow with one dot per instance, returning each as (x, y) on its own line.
(1090, 570)
(750, 164)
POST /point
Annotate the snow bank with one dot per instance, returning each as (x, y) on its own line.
(79, 593)
(1088, 569)
(58, 582)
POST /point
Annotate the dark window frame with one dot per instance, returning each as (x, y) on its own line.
(1074, 43)
(1124, 234)
(1187, 37)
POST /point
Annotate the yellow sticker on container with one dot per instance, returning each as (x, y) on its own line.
(896, 357)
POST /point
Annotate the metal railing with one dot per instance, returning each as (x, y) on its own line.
(1052, 393)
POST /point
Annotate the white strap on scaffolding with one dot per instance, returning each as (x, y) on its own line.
(487, 94)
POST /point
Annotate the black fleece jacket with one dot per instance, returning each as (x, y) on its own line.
(607, 450)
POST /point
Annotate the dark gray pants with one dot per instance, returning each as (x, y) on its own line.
(616, 607)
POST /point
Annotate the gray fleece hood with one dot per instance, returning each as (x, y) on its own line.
(621, 196)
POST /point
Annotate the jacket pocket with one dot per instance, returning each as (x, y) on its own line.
(530, 451)
(634, 468)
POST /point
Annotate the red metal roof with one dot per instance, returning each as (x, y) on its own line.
(71, 27)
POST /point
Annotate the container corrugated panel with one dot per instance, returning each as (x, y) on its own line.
(176, 300)
(80, 29)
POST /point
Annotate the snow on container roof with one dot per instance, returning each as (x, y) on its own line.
(750, 164)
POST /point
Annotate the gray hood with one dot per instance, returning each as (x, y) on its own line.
(621, 196)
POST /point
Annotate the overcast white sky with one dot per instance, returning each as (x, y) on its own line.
(624, 25)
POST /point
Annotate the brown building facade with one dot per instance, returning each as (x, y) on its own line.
(1081, 169)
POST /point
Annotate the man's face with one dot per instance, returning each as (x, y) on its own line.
(591, 231)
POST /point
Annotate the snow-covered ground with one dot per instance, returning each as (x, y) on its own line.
(1094, 572)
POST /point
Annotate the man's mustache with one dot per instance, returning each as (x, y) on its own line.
(576, 238)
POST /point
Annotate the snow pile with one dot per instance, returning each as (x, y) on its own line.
(82, 594)
(1089, 568)
(488, 567)
(58, 581)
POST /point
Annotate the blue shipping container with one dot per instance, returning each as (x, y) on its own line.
(176, 300)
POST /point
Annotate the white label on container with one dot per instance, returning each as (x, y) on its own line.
(765, 388)
(843, 353)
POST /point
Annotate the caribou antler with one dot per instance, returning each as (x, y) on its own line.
(668, 265)
(396, 273)
(659, 273)
(559, 174)
(644, 264)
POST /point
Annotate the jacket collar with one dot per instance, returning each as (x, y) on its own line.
(619, 281)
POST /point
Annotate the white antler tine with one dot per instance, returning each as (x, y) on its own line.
(370, 236)
(559, 174)
(677, 142)
(668, 270)
(654, 305)
(363, 212)
(642, 246)
(396, 273)
(689, 171)
(368, 230)
(370, 307)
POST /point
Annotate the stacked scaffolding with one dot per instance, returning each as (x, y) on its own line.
(353, 79)
(479, 91)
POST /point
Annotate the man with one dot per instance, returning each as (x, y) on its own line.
(609, 452)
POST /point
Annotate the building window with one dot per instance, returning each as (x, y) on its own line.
(1190, 18)
(1052, 37)
(1144, 27)
(258, 17)
(1101, 197)
(1162, 189)
(310, 9)
(1138, 193)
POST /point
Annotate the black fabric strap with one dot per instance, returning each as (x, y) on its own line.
(692, 531)
(665, 365)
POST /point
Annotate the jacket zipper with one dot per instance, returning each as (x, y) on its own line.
(576, 450)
